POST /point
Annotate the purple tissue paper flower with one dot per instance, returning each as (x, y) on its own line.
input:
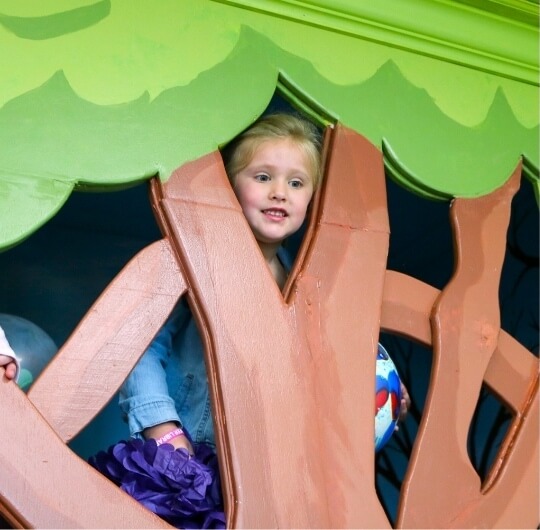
(184, 491)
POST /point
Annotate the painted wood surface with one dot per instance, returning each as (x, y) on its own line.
(45, 485)
(103, 94)
(287, 372)
(466, 327)
(292, 394)
(508, 497)
(109, 341)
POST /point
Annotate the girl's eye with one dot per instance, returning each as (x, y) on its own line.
(261, 177)
(296, 183)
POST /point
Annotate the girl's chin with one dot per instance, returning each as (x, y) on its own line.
(273, 237)
(271, 241)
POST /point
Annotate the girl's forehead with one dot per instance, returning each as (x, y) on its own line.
(271, 146)
(283, 152)
(265, 143)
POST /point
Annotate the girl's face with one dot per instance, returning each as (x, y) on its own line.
(274, 190)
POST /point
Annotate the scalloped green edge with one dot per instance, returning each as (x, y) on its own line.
(65, 140)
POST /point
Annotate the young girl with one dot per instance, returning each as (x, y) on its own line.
(274, 168)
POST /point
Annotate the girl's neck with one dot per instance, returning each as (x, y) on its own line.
(269, 251)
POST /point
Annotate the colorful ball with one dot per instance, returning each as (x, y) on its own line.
(387, 398)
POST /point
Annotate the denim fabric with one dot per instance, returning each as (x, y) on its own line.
(170, 383)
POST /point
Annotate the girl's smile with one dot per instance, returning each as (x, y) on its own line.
(275, 212)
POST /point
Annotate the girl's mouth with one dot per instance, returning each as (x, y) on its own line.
(275, 212)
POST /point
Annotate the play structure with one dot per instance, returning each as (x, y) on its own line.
(439, 97)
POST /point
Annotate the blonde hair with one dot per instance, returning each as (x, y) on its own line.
(239, 153)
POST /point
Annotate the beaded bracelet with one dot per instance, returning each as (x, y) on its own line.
(169, 436)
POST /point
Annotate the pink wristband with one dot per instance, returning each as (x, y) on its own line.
(169, 436)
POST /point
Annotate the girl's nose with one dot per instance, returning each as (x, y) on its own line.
(278, 191)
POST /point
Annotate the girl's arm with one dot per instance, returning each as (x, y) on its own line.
(144, 397)
(405, 403)
(159, 431)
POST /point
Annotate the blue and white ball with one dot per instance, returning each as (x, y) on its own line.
(387, 398)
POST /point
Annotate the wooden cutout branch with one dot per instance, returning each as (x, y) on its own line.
(109, 341)
(43, 484)
(294, 412)
(465, 323)
(292, 382)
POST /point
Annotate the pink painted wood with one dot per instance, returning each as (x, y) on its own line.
(106, 345)
(45, 485)
(285, 374)
(292, 378)
(513, 375)
(466, 327)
